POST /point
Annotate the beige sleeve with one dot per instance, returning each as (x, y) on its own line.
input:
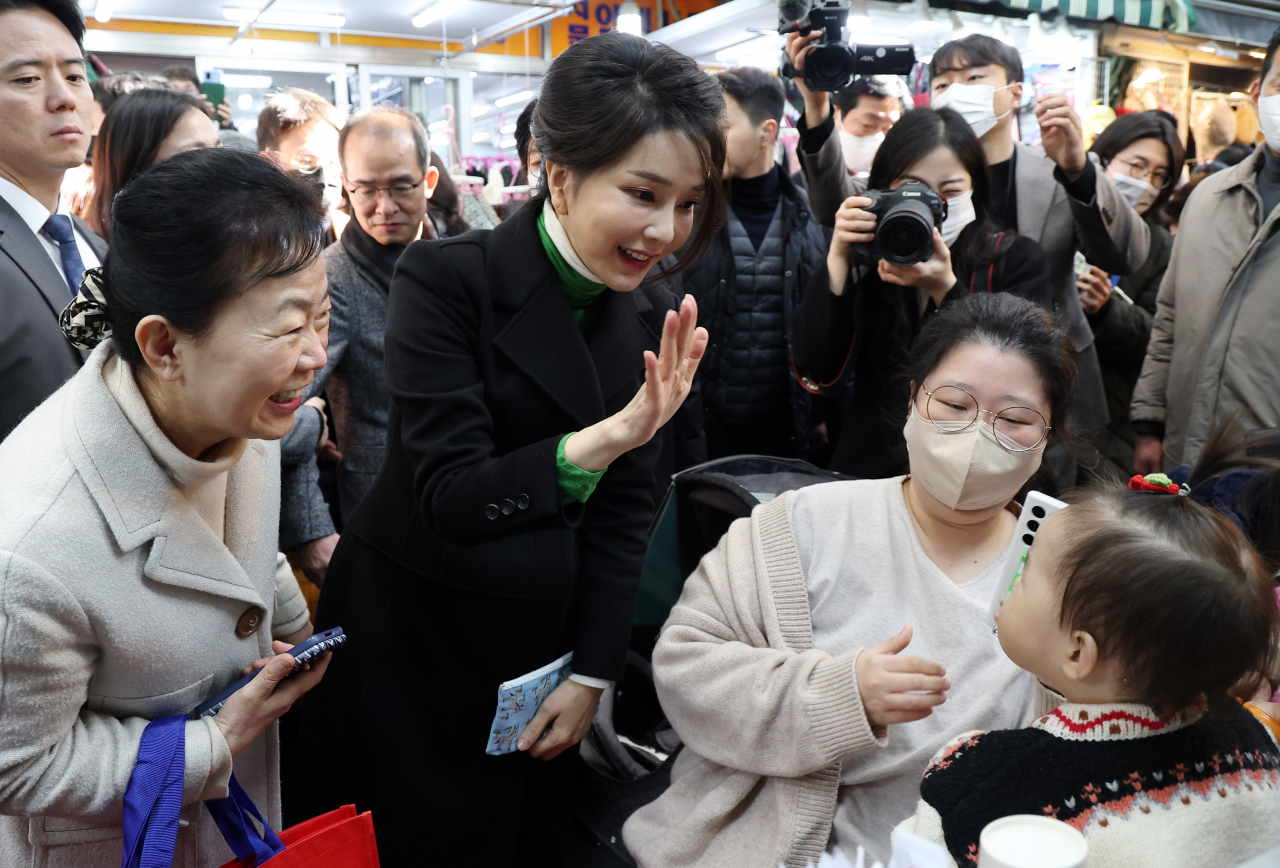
(291, 613)
(744, 706)
(208, 768)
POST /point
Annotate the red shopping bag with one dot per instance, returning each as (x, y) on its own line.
(338, 839)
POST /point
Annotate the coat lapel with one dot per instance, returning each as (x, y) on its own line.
(618, 345)
(25, 249)
(141, 504)
(540, 336)
(1035, 189)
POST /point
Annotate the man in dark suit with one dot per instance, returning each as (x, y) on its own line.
(48, 112)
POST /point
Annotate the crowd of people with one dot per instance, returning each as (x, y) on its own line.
(235, 374)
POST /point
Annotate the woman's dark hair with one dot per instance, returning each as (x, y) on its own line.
(445, 202)
(127, 144)
(608, 92)
(1011, 324)
(1129, 128)
(199, 230)
(920, 133)
(1168, 587)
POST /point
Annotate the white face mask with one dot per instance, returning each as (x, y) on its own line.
(1269, 120)
(1139, 194)
(960, 214)
(859, 151)
(974, 102)
(967, 469)
(534, 178)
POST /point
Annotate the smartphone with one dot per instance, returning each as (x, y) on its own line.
(213, 88)
(304, 652)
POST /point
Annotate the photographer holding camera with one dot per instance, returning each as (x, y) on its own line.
(1056, 195)
(921, 237)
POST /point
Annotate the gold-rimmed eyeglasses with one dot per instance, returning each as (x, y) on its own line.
(951, 409)
(367, 194)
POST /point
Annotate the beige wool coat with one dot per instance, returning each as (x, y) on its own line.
(118, 604)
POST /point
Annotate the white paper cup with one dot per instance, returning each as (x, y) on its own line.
(1028, 841)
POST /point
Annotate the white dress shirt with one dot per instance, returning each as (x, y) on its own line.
(34, 215)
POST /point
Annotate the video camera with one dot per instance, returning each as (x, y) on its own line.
(833, 63)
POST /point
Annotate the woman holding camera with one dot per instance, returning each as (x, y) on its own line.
(861, 313)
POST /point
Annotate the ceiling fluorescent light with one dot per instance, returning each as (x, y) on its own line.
(924, 19)
(438, 125)
(478, 109)
(279, 16)
(246, 82)
(507, 143)
(508, 129)
(859, 14)
(512, 99)
(102, 11)
(480, 137)
(437, 11)
(629, 20)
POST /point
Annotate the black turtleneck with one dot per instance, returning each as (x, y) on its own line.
(754, 201)
(1269, 181)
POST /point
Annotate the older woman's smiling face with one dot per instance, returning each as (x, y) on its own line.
(244, 376)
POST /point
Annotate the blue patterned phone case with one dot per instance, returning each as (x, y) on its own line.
(519, 700)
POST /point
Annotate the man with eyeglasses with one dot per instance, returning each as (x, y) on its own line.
(388, 178)
(1214, 351)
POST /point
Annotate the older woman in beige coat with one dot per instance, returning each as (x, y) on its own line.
(138, 515)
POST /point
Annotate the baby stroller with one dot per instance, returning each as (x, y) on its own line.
(626, 758)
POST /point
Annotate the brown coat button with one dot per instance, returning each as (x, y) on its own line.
(249, 622)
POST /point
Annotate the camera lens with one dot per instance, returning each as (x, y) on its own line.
(905, 234)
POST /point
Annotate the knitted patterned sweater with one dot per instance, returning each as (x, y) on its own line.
(1184, 789)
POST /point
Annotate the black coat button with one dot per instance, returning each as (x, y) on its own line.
(249, 622)
(491, 511)
(523, 501)
(508, 506)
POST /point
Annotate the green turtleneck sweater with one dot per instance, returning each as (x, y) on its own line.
(586, 300)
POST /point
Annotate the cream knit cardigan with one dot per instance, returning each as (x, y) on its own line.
(766, 718)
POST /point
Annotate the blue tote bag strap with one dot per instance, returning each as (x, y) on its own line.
(154, 800)
(232, 815)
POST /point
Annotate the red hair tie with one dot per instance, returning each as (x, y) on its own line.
(1158, 482)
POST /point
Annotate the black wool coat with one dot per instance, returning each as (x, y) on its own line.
(462, 568)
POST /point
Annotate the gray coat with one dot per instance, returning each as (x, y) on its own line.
(1109, 232)
(1214, 350)
(118, 604)
(357, 388)
(35, 358)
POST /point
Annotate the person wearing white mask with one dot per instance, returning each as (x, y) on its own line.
(831, 643)
(1213, 350)
(1141, 153)
(860, 314)
(1054, 194)
(864, 112)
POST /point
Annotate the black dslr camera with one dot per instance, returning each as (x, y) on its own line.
(833, 63)
(905, 221)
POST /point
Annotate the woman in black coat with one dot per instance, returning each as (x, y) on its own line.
(860, 313)
(529, 368)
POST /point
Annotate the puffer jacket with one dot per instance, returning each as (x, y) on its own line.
(713, 282)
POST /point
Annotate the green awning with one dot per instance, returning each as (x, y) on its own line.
(1175, 15)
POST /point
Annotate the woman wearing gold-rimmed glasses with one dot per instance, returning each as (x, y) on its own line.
(786, 661)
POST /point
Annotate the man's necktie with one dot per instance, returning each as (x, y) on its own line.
(58, 227)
